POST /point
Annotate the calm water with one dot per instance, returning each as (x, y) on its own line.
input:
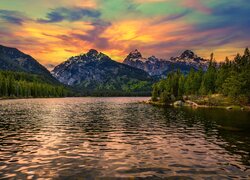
(119, 137)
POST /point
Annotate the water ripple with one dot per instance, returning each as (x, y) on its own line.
(119, 137)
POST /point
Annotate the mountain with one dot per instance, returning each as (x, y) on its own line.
(95, 71)
(160, 67)
(11, 59)
(189, 58)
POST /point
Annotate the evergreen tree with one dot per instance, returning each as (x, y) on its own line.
(230, 78)
(16, 84)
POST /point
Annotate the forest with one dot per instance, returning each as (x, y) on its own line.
(230, 78)
(24, 85)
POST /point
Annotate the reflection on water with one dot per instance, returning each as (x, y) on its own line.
(118, 137)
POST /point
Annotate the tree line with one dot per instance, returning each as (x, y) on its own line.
(24, 85)
(230, 78)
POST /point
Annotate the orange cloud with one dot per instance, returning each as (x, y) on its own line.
(161, 35)
(48, 42)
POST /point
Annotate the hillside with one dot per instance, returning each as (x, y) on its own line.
(11, 59)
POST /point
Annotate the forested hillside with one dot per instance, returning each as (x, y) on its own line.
(230, 79)
(23, 85)
(11, 59)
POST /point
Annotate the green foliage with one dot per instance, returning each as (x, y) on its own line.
(209, 79)
(155, 93)
(165, 97)
(170, 88)
(230, 78)
(17, 84)
(193, 82)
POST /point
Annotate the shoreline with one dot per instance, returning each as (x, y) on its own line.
(16, 98)
(176, 104)
(195, 105)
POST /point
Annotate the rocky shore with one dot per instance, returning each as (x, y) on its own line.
(195, 105)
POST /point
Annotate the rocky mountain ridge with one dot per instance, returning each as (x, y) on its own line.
(96, 71)
(160, 67)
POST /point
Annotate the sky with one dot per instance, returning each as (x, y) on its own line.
(53, 30)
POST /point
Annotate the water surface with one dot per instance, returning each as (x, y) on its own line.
(118, 137)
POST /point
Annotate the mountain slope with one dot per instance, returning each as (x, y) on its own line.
(11, 59)
(95, 71)
(160, 67)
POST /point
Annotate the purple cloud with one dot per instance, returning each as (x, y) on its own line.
(13, 17)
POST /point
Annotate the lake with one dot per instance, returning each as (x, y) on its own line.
(74, 138)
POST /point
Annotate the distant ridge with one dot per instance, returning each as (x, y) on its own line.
(160, 67)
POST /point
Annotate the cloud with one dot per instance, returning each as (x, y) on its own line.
(70, 14)
(94, 35)
(116, 10)
(157, 27)
(233, 15)
(13, 17)
(233, 19)
(172, 17)
(197, 5)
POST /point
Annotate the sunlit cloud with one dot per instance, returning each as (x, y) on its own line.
(52, 31)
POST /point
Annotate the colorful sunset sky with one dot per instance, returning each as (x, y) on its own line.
(54, 30)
